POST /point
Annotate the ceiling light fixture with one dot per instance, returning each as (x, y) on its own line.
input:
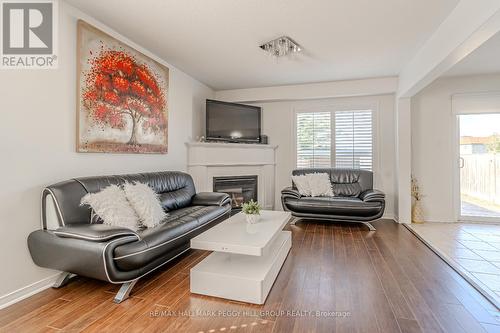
(281, 46)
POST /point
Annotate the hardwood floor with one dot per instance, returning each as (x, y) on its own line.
(383, 281)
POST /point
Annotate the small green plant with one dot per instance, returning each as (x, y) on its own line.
(251, 207)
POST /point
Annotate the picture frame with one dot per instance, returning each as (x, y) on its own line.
(122, 96)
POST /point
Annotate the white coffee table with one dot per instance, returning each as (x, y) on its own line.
(246, 259)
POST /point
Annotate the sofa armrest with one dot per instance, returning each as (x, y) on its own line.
(290, 192)
(94, 232)
(211, 199)
(372, 195)
(79, 256)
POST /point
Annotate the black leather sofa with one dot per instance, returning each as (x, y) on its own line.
(69, 242)
(354, 198)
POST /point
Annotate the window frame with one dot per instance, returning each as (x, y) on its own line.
(333, 107)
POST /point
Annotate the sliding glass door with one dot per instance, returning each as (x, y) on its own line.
(479, 166)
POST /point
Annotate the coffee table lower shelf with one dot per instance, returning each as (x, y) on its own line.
(241, 277)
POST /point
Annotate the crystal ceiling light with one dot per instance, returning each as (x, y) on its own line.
(281, 46)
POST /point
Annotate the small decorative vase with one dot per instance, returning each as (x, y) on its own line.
(252, 218)
(417, 214)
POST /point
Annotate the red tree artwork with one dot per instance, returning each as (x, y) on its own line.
(116, 87)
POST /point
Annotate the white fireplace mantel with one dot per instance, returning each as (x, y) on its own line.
(207, 160)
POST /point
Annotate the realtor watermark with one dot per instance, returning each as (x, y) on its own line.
(29, 34)
(252, 313)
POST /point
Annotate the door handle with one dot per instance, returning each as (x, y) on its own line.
(461, 162)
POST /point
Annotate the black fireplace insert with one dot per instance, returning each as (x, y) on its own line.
(241, 189)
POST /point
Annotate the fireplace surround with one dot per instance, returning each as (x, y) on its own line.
(210, 160)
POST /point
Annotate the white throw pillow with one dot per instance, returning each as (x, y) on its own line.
(145, 203)
(302, 185)
(320, 185)
(112, 207)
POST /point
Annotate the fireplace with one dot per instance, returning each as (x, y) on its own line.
(240, 188)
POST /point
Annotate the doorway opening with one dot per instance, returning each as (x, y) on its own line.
(479, 164)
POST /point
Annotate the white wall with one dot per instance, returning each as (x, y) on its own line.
(278, 120)
(433, 157)
(464, 29)
(37, 144)
(403, 160)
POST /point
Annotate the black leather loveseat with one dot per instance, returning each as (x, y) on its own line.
(354, 198)
(69, 242)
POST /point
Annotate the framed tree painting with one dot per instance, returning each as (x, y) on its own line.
(122, 96)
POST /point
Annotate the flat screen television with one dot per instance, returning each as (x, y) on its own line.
(232, 122)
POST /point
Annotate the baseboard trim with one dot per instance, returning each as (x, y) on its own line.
(389, 217)
(438, 221)
(25, 292)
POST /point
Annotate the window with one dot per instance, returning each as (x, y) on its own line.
(342, 139)
(314, 140)
(353, 139)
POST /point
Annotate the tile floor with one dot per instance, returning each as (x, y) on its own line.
(472, 249)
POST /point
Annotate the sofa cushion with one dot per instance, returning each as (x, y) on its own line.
(320, 185)
(346, 189)
(301, 182)
(175, 199)
(345, 182)
(333, 206)
(145, 203)
(175, 189)
(112, 206)
(177, 228)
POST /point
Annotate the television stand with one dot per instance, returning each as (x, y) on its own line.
(234, 141)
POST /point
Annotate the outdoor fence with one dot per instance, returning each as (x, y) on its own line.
(480, 177)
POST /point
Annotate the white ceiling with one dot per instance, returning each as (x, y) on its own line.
(484, 60)
(216, 41)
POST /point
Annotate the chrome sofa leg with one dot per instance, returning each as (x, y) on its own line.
(370, 226)
(293, 220)
(124, 291)
(63, 279)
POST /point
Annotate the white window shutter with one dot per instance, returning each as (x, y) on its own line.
(354, 139)
(314, 140)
